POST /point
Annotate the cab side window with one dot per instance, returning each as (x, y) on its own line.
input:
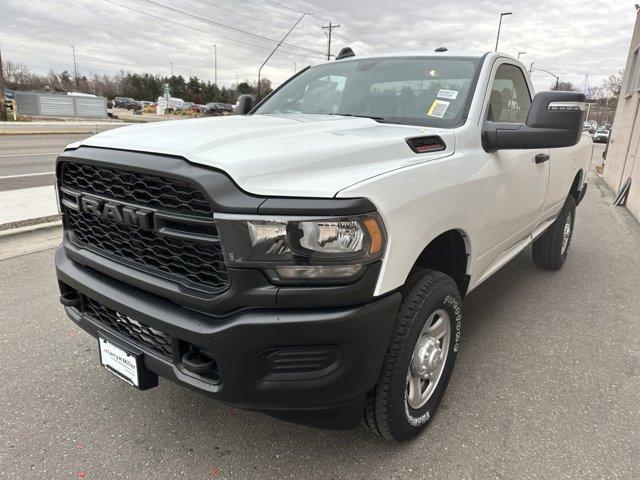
(510, 99)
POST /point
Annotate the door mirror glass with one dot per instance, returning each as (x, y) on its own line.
(554, 120)
(244, 105)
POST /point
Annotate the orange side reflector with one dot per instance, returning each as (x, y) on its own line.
(374, 232)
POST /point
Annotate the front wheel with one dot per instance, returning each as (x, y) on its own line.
(550, 250)
(419, 359)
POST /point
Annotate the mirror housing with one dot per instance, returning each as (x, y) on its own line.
(244, 105)
(555, 120)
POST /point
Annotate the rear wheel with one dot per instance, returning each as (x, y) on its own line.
(419, 360)
(550, 250)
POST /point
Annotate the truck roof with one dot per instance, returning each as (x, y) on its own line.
(427, 53)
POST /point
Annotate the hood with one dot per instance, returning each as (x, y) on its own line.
(282, 155)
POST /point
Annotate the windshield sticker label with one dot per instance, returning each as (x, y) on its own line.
(449, 94)
(438, 108)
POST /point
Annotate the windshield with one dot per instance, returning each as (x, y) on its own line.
(429, 91)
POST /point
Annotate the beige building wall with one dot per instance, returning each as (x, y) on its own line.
(624, 147)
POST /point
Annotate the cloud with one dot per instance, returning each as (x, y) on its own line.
(572, 38)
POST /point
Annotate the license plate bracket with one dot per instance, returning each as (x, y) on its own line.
(125, 364)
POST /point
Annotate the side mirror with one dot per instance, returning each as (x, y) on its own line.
(244, 105)
(555, 120)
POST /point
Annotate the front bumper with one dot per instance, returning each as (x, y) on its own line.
(243, 343)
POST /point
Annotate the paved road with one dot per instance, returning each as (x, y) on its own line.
(546, 386)
(26, 155)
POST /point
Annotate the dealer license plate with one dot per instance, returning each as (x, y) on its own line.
(120, 362)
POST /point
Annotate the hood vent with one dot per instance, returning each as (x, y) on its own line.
(428, 144)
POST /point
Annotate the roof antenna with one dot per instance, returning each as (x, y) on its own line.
(441, 49)
(346, 52)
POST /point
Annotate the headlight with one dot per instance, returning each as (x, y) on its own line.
(314, 249)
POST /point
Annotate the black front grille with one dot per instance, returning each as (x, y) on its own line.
(139, 333)
(186, 261)
(134, 187)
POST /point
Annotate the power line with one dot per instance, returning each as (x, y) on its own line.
(289, 15)
(264, 47)
(222, 25)
(284, 6)
(315, 7)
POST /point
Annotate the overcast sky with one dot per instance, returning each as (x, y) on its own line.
(572, 38)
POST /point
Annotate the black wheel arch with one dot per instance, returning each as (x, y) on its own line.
(447, 253)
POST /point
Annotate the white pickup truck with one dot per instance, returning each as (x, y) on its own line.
(308, 256)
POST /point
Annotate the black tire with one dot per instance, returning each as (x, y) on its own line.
(387, 411)
(548, 251)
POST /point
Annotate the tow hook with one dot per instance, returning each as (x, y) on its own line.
(70, 299)
(199, 362)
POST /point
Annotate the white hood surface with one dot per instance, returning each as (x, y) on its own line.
(282, 155)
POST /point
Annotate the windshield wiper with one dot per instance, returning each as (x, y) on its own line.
(377, 119)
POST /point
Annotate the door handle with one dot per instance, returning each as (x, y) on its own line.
(542, 157)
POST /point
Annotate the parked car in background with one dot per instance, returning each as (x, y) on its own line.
(173, 104)
(9, 99)
(218, 108)
(126, 102)
(588, 127)
(601, 136)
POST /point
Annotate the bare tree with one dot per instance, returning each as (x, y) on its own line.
(564, 86)
(613, 84)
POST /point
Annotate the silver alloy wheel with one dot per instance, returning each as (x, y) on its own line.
(566, 234)
(428, 359)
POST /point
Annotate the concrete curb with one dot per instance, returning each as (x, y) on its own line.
(33, 223)
(27, 229)
(30, 239)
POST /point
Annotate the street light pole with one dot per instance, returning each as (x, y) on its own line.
(503, 14)
(546, 71)
(75, 66)
(521, 53)
(215, 65)
(278, 46)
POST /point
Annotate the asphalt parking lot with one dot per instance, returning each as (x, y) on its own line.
(547, 385)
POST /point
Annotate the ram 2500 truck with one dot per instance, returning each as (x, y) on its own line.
(308, 256)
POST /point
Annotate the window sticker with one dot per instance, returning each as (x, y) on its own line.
(448, 94)
(438, 108)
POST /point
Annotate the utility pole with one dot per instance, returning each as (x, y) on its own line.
(503, 14)
(171, 65)
(278, 46)
(3, 106)
(329, 27)
(215, 65)
(75, 66)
